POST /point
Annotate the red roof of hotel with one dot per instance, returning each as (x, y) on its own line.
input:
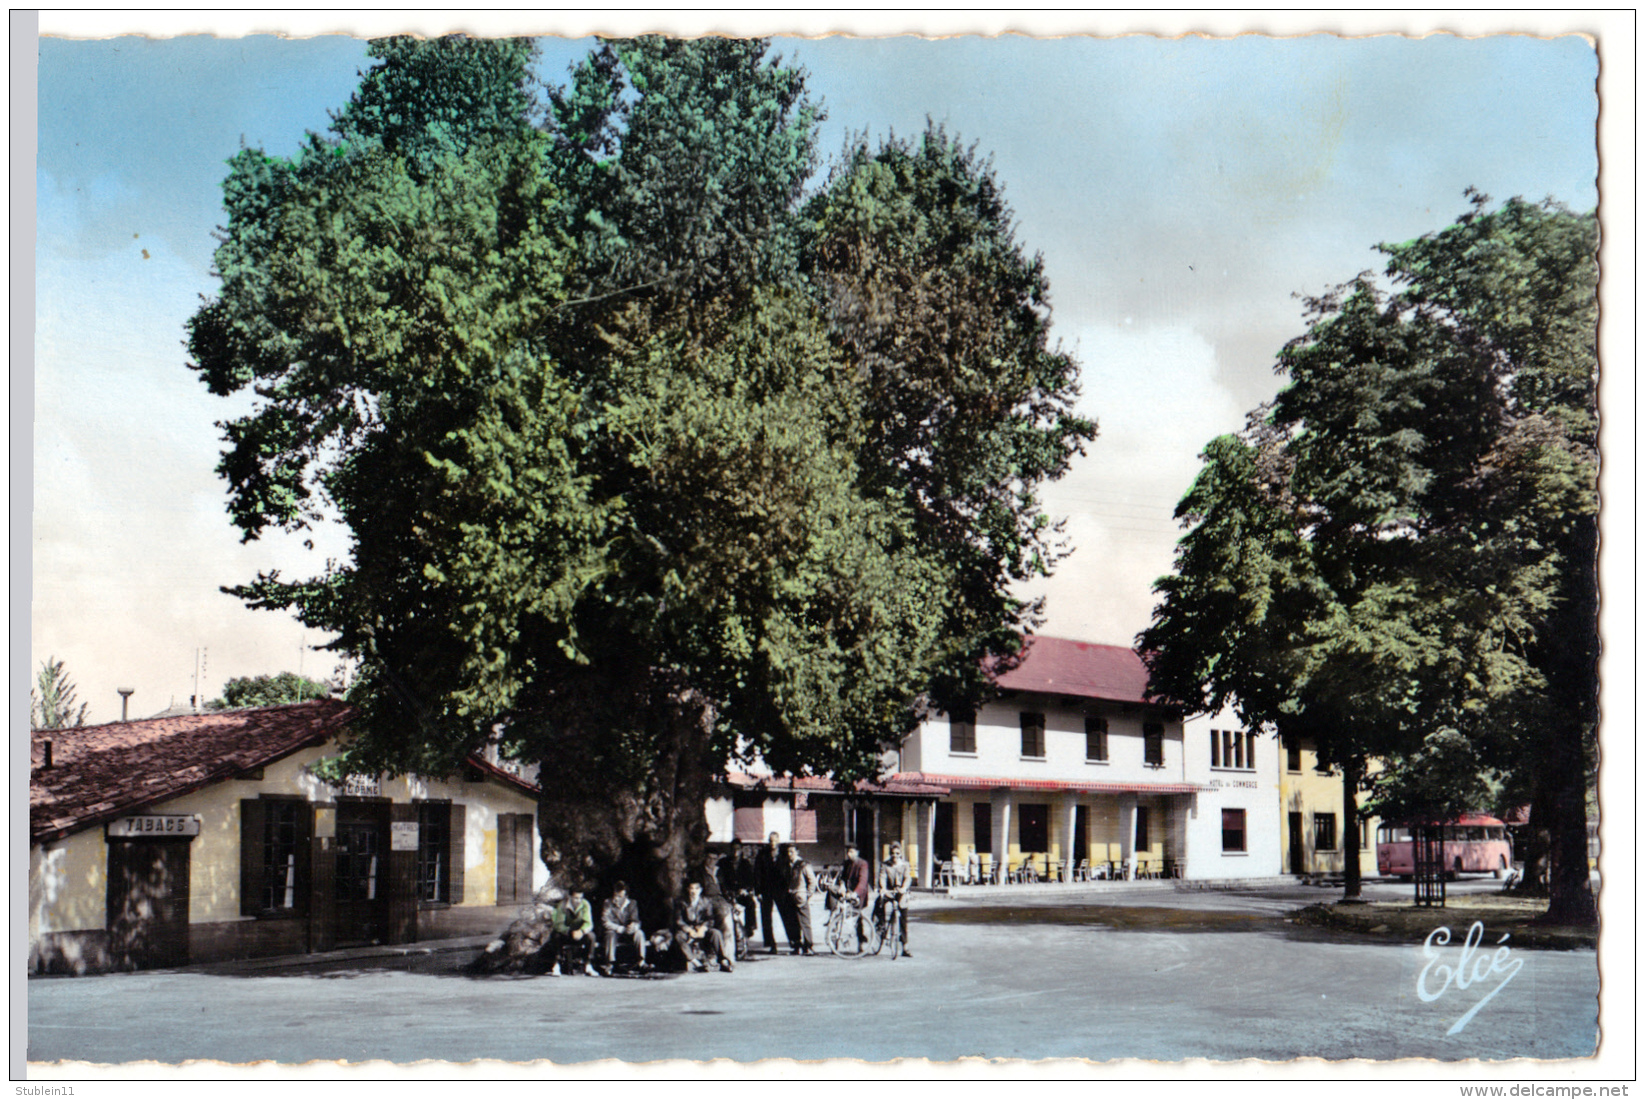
(1059, 666)
(99, 773)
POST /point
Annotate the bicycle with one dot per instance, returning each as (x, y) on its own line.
(844, 934)
(888, 925)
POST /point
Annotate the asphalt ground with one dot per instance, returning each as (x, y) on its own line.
(1152, 974)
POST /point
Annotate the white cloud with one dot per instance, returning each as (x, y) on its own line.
(1155, 393)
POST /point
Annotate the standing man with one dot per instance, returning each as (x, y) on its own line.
(798, 884)
(744, 888)
(769, 881)
(697, 931)
(621, 921)
(896, 876)
(858, 880)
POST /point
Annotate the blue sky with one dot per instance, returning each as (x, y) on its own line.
(1181, 191)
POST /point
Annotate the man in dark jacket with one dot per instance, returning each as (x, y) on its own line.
(768, 878)
(857, 879)
(798, 884)
(697, 931)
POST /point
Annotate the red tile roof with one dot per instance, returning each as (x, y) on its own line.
(99, 773)
(1059, 666)
(988, 783)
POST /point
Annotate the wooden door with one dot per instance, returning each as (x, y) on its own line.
(361, 875)
(148, 891)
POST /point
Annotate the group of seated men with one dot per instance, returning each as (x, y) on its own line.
(706, 925)
(704, 931)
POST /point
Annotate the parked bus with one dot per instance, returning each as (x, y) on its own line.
(1474, 843)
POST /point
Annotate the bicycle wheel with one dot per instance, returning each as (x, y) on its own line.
(844, 939)
(895, 936)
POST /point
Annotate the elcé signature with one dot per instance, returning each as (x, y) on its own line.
(1462, 975)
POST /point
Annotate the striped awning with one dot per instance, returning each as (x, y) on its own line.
(1076, 786)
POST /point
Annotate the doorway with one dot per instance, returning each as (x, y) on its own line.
(361, 884)
(942, 833)
(148, 892)
(1298, 857)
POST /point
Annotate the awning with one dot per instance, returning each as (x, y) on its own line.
(1076, 786)
(905, 784)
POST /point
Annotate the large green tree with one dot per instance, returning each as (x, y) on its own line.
(618, 455)
(1397, 559)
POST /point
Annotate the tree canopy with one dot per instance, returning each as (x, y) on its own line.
(649, 462)
(1397, 558)
(270, 691)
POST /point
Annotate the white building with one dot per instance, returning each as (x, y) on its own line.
(1070, 764)
(1234, 825)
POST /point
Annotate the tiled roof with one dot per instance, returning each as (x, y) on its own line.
(99, 773)
(988, 783)
(1059, 666)
(903, 783)
(503, 775)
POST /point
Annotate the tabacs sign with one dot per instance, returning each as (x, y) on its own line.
(147, 825)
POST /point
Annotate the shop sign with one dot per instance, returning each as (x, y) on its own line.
(402, 836)
(155, 825)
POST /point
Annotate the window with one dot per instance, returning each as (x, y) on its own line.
(1142, 828)
(1233, 830)
(434, 851)
(1325, 832)
(1364, 833)
(1096, 738)
(1153, 744)
(1235, 749)
(274, 856)
(280, 836)
(962, 733)
(1033, 734)
(1293, 755)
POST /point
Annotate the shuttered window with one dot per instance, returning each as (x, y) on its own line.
(962, 733)
(515, 859)
(1153, 743)
(1033, 734)
(440, 850)
(1096, 739)
(275, 836)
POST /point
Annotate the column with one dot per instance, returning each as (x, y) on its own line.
(1066, 820)
(1128, 830)
(925, 828)
(1000, 811)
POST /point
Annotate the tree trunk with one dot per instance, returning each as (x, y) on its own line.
(1562, 806)
(1352, 769)
(649, 829)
